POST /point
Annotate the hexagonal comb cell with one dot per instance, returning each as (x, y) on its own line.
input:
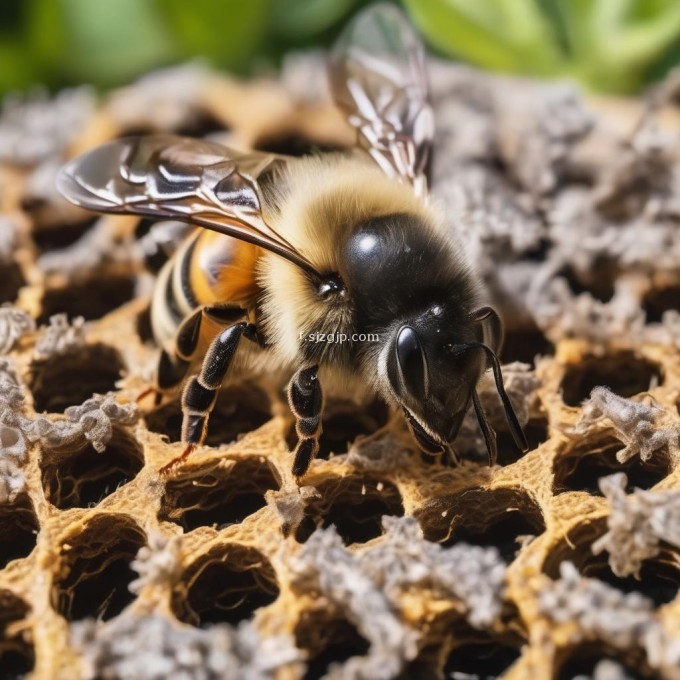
(595, 660)
(83, 478)
(16, 650)
(658, 301)
(95, 568)
(11, 281)
(71, 378)
(343, 421)
(91, 298)
(354, 504)
(221, 494)
(238, 410)
(327, 640)
(625, 373)
(659, 577)
(486, 517)
(483, 657)
(18, 529)
(225, 585)
(580, 467)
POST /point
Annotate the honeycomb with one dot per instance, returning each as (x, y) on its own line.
(560, 563)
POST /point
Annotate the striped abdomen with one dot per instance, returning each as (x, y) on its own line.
(207, 269)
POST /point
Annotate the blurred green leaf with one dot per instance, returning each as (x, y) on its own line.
(614, 42)
(114, 41)
(97, 40)
(17, 67)
(227, 31)
(299, 19)
(504, 35)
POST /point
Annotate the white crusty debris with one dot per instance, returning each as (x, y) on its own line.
(634, 423)
(34, 127)
(368, 587)
(14, 323)
(603, 613)
(637, 524)
(158, 563)
(153, 647)
(289, 504)
(9, 232)
(379, 452)
(472, 574)
(92, 421)
(164, 100)
(13, 447)
(97, 246)
(60, 336)
(325, 565)
(607, 670)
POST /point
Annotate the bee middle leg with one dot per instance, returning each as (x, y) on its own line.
(200, 392)
(306, 402)
(172, 368)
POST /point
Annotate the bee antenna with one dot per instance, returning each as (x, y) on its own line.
(487, 431)
(510, 415)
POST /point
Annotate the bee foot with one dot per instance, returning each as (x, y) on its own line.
(175, 463)
(152, 390)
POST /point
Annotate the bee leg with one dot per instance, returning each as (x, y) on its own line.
(306, 402)
(200, 393)
(172, 369)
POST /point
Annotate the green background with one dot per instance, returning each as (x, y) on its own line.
(608, 45)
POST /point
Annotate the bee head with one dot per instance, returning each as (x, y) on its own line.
(433, 367)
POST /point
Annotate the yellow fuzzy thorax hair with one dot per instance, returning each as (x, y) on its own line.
(323, 198)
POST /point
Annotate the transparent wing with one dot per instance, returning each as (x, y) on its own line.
(378, 78)
(186, 179)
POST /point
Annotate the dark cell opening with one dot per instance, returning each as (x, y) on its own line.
(97, 573)
(481, 659)
(581, 661)
(82, 479)
(342, 423)
(659, 577)
(660, 300)
(354, 505)
(624, 373)
(598, 280)
(91, 298)
(239, 410)
(70, 379)
(200, 124)
(525, 345)
(327, 642)
(62, 236)
(497, 518)
(581, 467)
(17, 657)
(536, 431)
(225, 493)
(11, 281)
(18, 530)
(143, 326)
(226, 585)
(294, 144)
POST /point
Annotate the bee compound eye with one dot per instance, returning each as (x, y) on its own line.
(412, 364)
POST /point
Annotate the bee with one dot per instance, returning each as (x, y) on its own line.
(287, 250)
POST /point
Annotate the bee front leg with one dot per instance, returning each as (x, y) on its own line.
(306, 402)
(200, 392)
